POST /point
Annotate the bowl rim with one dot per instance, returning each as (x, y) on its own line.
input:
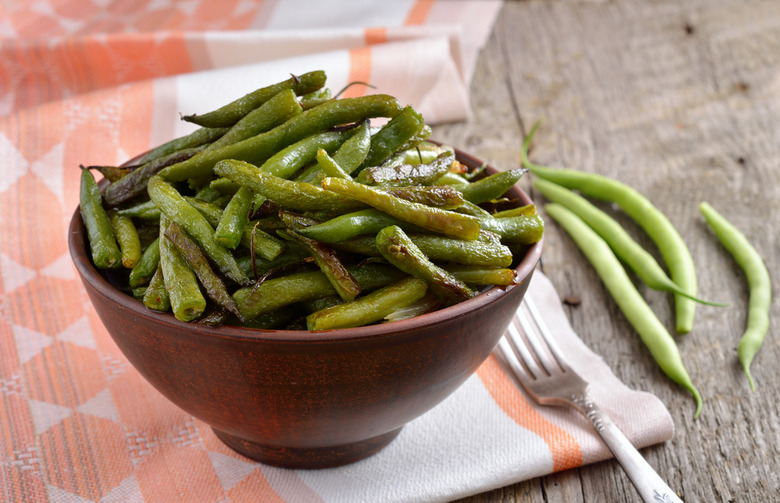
(91, 275)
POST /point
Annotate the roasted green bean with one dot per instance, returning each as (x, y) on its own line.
(100, 233)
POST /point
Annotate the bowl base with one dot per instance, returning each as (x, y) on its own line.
(308, 458)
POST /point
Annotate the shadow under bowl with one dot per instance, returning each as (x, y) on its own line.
(301, 399)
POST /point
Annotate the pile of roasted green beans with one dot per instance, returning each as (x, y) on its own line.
(287, 209)
(607, 246)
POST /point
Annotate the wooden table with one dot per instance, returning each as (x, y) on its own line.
(680, 100)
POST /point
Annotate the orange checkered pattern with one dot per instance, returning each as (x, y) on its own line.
(95, 82)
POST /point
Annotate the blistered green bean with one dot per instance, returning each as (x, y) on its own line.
(127, 238)
(231, 113)
(400, 250)
(368, 308)
(233, 220)
(105, 251)
(434, 219)
(187, 302)
(156, 295)
(142, 273)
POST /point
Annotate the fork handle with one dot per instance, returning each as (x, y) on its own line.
(648, 483)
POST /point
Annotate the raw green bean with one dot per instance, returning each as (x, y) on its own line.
(260, 148)
(330, 265)
(491, 187)
(408, 174)
(199, 263)
(175, 207)
(142, 273)
(400, 250)
(134, 184)
(393, 136)
(650, 329)
(434, 219)
(304, 286)
(105, 251)
(233, 221)
(673, 249)
(626, 249)
(127, 238)
(231, 113)
(187, 302)
(198, 138)
(156, 295)
(758, 280)
(277, 110)
(368, 308)
(287, 193)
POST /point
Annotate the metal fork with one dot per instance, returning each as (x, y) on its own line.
(550, 380)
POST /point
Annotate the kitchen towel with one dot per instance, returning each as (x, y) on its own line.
(98, 81)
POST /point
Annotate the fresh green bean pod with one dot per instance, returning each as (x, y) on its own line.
(258, 149)
(491, 187)
(187, 302)
(143, 271)
(231, 113)
(330, 265)
(629, 251)
(368, 308)
(393, 136)
(232, 222)
(134, 184)
(433, 219)
(759, 283)
(525, 229)
(175, 207)
(100, 233)
(126, 237)
(289, 160)
(400, 250)
(305, 286)
(354, 151)
(287, 193)
(156, 295)
(408, 174)
(201, 137)
(199, 264)
(656, 225)
(277, 110)
(650, 329)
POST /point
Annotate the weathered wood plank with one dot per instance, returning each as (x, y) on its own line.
(679, 100)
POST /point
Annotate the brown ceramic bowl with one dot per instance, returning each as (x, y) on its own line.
(306, 399)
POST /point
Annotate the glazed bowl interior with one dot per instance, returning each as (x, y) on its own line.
(302, 399)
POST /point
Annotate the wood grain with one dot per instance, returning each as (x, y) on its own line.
(680, 100)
